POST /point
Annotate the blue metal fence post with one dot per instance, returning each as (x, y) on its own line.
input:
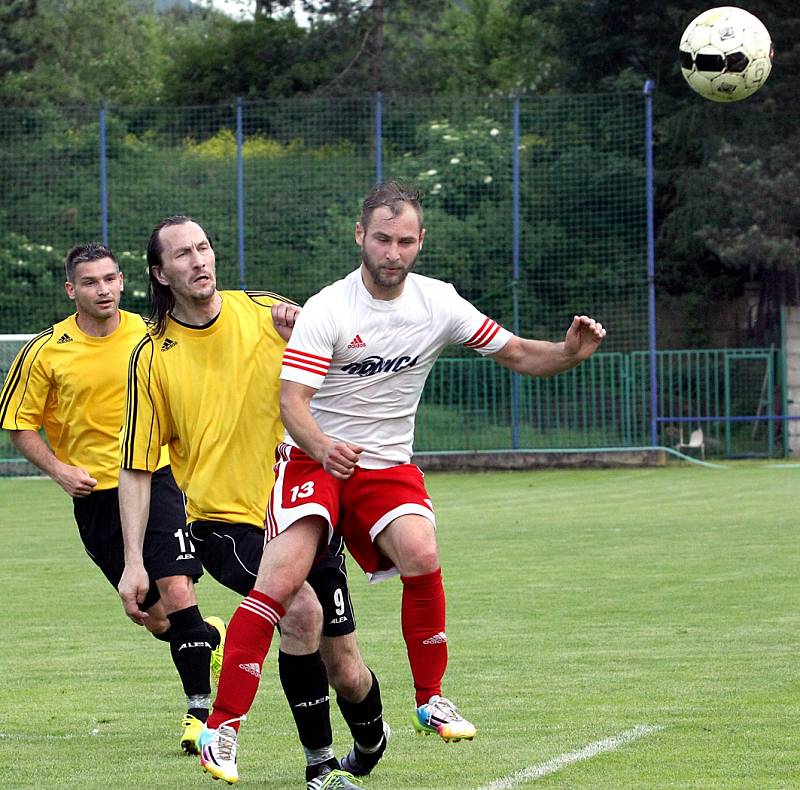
(378, 138)
(103, 175)
(240, 193)
(515, 377)
(649, 87)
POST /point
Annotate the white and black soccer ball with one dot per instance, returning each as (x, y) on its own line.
(726, 54)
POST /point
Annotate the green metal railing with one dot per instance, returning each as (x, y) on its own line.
(737, 396)
(732, 394)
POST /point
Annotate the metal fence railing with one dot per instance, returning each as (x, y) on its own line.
(734, 395)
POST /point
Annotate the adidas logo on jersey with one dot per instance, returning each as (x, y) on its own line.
(254, 669)
(438, 639)
(65, 338)
(168, 344)
(357, 342)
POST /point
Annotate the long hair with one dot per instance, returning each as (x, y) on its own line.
(392, 195)
(83, 253)
(162, 300)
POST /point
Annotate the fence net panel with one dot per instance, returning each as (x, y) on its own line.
(579, 245)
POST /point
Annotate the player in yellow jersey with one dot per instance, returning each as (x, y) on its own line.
(70, 379)
(205, 382)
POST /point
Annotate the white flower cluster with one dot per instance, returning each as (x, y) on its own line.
(445, 132)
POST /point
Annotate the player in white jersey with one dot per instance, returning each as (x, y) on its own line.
(352, 377)
(368, 359)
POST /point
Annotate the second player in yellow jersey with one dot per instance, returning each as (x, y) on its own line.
(73, 384)
(206, 383)
(71, 380)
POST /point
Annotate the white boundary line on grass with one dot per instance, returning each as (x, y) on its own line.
(563, 760)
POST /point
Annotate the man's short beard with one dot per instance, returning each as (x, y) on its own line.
(376, 275)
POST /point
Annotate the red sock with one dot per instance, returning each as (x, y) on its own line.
(246, 646)
(423, 617)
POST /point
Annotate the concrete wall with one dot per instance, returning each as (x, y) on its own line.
(793, 377)
(530, 459)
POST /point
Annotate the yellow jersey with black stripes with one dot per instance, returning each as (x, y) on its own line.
(73, 385)
(211, 394)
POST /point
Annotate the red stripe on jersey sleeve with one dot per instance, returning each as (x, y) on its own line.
(306, 355)
(494, 330)
(303, 361)
(477, 336)
(484, 335)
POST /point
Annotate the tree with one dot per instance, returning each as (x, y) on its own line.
(14, 55)
(715, 164)
(75, 51)
(747, 228)
(260, 58)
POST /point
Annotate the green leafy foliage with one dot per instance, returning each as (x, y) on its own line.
(27, 271)
(260, 58)
(80, 50)
(77, 51)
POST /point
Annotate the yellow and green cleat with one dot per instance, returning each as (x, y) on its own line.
(216, 654)
(192, 727)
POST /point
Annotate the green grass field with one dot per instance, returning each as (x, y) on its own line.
(584, 608)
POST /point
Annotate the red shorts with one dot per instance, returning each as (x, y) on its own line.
(359, 507)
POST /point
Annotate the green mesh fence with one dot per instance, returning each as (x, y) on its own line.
(295, 172)
(580, 234)
(582, 214)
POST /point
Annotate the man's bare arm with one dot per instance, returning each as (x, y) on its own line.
(134, 510)
(542, 358)
(77, 482)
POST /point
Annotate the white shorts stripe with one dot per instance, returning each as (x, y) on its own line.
(280, 518)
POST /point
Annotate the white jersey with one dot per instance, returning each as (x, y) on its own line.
(369, 358)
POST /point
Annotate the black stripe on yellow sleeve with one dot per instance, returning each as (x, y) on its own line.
(273, 297)
(132, 400)
(24, 360)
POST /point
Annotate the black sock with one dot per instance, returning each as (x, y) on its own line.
(305, 684)
(365, 718)
(191, 642)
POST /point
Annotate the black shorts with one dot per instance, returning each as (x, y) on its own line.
(231, 553)
(167, 548)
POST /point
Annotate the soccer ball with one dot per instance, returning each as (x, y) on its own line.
(726, 54)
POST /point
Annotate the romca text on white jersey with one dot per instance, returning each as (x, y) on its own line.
(369, 358)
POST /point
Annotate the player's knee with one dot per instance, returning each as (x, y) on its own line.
(302, 623)
(177, 592)
(419, 559)
(158, 628)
